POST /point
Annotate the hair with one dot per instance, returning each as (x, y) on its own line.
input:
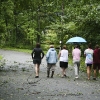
(51, 46)
(97, 46)
(76, 46)
(64, 47)
(38, 45)
(89, 45)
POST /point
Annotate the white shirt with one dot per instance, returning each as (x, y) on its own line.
(89, 56)
(64, 55)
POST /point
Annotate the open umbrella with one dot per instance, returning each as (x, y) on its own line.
(76, 40)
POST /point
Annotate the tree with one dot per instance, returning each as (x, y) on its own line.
(25, 22)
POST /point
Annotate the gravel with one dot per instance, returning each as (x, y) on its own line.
(17, 81)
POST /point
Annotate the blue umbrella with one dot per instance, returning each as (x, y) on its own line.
(76, 40)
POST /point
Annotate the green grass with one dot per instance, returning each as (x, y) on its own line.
(20, 50)
(0, 57)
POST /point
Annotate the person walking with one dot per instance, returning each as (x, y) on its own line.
(63, 56)
(51, 58)
(76, 53)
(37, 55)
(96, 61)
(89, 59)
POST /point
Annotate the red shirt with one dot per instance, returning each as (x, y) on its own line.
(96, 56)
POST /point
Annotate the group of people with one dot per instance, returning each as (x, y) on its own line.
(92, 58)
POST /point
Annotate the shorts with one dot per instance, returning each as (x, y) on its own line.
(90, 65)
(51, 67)
(96, 66)
(63, 64)
(37, 61)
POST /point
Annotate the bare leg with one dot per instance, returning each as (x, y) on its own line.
(95, 73)
(99, 71)
(88, 72)
(63, 72)
(37, 69)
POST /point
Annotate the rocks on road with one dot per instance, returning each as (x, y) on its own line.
(17, 81)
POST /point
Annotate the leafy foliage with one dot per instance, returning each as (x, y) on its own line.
(25, 22)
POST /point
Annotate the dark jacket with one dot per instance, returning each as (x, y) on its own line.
(37, 53)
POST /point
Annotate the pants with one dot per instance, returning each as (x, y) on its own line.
(76, 67)
(51, 67)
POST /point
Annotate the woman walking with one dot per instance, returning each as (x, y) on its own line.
(63, 55)
(37, 55)
(89, 60)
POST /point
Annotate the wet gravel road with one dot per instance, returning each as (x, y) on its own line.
(17, 81)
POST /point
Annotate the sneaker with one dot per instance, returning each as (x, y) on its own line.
(88, 78)
(65, 75)
(36, 76)
(76, 77)
(94, 78)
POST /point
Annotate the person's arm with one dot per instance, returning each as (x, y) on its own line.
(59, 55)
(80, 52)
(93, 54)
(32, 54)
(85, 53)
(42, 55)
(47, 55)
(72, 53)
(99, 53)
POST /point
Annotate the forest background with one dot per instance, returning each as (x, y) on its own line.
(25, 22)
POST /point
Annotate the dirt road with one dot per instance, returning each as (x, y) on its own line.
(17, 81)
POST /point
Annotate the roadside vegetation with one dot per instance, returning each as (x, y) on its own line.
(0, 57)
(1, 62)
(18, 49)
